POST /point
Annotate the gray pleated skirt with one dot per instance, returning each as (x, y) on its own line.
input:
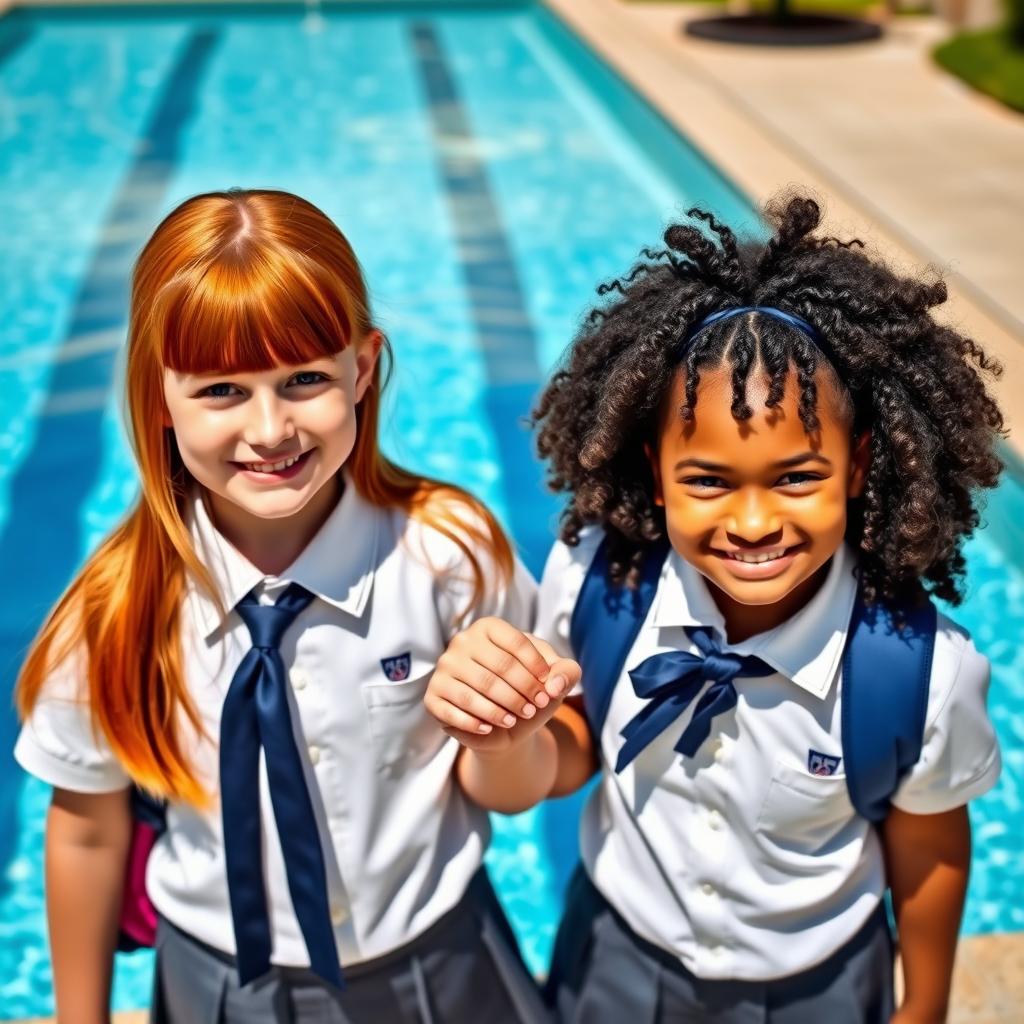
(604, 973)
(464, 968)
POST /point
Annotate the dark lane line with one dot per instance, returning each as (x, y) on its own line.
(505, 335)
(15, 31)
(509, 347)
(60, 469)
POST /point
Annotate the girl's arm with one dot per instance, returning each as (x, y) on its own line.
(499, 692)
(577, 755)
(513, 778)
(928, 857)
(87, 837)
(554, 761)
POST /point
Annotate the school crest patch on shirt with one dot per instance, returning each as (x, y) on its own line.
(397, 668)
(822, 764)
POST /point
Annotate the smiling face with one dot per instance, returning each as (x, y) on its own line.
(265, 444)
(758, 506)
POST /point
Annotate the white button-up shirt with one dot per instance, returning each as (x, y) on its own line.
(401, 841)
(740, 861)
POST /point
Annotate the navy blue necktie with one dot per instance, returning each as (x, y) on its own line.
(670, 681)
(256, 713)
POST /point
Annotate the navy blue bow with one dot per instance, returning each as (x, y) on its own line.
(671, 680)
(256, 713)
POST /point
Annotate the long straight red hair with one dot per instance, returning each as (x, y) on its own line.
(230, 282)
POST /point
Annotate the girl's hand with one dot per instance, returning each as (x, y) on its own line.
(496, 686)
(907, 1015)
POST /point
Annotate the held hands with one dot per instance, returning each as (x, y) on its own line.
(495, 687)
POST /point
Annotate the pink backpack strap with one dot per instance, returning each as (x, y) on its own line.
(138, 915)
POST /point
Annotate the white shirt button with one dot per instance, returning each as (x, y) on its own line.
(338, 914)
(299, 679)
(314, 754)
(714, 820)
(708, 889)
(721, 754)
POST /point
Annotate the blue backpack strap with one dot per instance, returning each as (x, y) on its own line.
(886, 674)
(886, 677)
(149, 810)
(605, 623)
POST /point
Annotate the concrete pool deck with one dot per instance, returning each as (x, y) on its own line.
(904, 155)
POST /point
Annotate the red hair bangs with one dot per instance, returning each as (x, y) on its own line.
(251, 311)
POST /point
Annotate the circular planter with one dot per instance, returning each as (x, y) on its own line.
(793, 30)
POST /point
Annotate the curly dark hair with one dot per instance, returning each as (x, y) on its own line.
(918, 385)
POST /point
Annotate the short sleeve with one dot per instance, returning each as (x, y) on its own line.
(516, 602)
(960, 754)
(513, 600)
(59, 744)
(560, 587)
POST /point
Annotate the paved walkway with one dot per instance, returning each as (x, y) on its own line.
(903, 154)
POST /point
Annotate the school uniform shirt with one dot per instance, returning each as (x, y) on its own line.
(401, 841)
(743, 862)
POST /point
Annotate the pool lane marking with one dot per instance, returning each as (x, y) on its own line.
(41, 544)
(84, 361)
(505, 334)
(82, 377)
(66, 351)
(83, 400)
(15, 32)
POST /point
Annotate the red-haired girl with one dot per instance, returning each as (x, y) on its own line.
(252, 646)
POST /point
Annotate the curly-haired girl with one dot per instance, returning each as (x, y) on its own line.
(772, 453)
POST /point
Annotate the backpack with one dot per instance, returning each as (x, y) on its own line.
(137, 923)
(886, 673)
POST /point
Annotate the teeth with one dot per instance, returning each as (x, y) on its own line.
(272, 467)
(758, 558)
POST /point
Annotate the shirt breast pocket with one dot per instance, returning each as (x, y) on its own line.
(804, 813)
(403, 735)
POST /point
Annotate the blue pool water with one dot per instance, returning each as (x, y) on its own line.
(489, 172)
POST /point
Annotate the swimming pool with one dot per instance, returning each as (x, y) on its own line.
(489, 172)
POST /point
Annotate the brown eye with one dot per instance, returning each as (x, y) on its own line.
(706, 483)
(795, 479)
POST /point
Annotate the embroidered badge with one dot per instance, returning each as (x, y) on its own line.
(822, 764)
(397, 668)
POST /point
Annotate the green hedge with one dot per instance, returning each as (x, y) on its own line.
(1016, 12)
(991, 61)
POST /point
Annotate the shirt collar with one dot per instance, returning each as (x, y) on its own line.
(337, 565)
(807, 648)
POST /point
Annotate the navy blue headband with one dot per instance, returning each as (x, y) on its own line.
(779, 314)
